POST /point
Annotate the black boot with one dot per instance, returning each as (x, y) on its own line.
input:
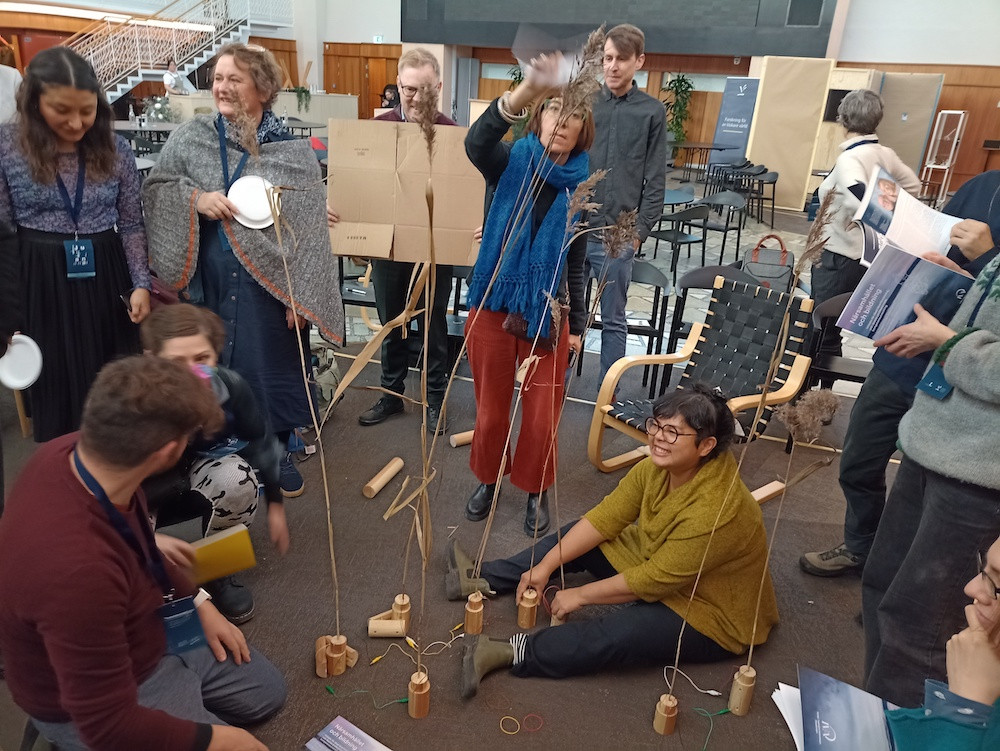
(231, 598)
(538, 512)
(478, 507)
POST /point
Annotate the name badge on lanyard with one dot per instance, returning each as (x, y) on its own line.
(79, 253)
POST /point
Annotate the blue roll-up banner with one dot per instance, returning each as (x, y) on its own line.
(733, 126)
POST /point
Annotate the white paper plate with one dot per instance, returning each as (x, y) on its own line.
(20, 367)
(249, 193)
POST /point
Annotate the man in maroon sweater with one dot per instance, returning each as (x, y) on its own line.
(419, 71)
(82, 584)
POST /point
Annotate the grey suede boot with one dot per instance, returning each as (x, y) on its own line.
(482, 655)
(458, 582)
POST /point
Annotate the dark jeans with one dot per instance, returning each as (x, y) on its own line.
(869, 444)
(834, 275)
(634, 635)
(391, 280)
(923, 555)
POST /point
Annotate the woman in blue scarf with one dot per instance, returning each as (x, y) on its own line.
(525, 262)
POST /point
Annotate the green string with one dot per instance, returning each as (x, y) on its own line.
(711, 722)
(333, 692)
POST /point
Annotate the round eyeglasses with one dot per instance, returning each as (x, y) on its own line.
(669, 433)
(991, 585)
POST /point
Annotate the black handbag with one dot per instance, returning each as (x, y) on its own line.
(773, 268)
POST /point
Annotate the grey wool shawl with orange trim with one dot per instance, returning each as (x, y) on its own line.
(189, 165)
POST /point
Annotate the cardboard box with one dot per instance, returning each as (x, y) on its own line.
(378, 174)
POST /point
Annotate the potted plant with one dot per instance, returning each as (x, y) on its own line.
(302, 97)
(679, 89)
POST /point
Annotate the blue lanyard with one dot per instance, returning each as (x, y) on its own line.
(73, 209)
(982, 298)
(860, 143)
(151, 556)
(224, 156)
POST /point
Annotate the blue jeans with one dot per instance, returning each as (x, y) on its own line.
(911, 595)
(616, 273)
(195, 686)
(869, 444)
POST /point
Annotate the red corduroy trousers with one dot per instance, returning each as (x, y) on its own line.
(494, 356)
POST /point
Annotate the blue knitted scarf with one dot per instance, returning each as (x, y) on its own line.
(530, 265)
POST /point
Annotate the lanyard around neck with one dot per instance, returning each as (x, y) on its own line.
(73, 209)
(151, 556)
(861, 143)
(224, 156)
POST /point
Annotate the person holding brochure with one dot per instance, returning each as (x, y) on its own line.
(963, 715)
(839, 269)
(106, 644)
(888, 391)
(945, 502)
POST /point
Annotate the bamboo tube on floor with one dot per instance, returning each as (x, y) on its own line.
(460, 439)
(742, 692)
(384, 625)
(401, 610)
(383, 477)
(336, 655)
(474, 614)
(419, 703)
(321, 644)
(527, 609)
(665, 716)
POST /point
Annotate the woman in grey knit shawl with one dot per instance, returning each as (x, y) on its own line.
(196, 245)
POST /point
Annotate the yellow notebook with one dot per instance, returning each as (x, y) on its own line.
(222, 554)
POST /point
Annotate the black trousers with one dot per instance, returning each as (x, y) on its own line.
(640, 634)
(391, 280)
(834, 275)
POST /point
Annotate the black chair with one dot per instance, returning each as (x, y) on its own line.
(703, 278)
(758, 194)
(456, 321)
(653, 328)
(145, 148)
(730, 207)
(827, 367)
(676, 234)
(732, 350)
(718, 173)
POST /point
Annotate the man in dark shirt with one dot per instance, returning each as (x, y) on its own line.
(888, 391)
(631, 142)
(82, 584)
(418, 69)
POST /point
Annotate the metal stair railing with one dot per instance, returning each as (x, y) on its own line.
(118, 49)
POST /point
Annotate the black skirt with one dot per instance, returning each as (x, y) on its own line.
(79, 324)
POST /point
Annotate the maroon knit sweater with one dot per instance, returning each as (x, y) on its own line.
(79, 627)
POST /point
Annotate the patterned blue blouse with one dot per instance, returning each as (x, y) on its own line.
(111, 203)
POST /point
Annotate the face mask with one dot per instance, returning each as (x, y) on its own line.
(203, 371)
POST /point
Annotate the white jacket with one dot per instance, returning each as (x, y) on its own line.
(855, 166)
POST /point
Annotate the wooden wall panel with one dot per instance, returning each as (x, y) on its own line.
(360, 69)
(974, 88)
(491, 88)
(285, 52)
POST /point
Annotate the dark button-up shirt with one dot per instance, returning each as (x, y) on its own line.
(631, 142)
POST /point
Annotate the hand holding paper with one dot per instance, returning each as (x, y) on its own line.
(925, 334)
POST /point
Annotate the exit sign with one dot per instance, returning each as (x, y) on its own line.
(377, 39)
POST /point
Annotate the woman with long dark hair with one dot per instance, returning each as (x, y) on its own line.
(71, 188)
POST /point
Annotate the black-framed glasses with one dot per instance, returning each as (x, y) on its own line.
(410, 91)
(669, 433)
(991, 586)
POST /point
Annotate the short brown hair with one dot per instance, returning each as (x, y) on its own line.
(418, 57)
(139, 404)
(263, 68)
(628, 40)
(172, 321)
(583, 141)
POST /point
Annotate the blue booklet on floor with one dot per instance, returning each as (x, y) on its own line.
(839, 717)
(341, 735)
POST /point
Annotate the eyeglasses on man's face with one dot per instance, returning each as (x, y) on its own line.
(991, 585)
(668, 433)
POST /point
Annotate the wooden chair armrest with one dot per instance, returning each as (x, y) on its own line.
(788, 391)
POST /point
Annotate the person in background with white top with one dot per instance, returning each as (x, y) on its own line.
(10, 80)
(839, 269)
(174, 82)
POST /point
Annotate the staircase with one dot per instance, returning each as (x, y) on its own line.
(126, 50)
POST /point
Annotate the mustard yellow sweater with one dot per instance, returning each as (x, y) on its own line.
(656, 540)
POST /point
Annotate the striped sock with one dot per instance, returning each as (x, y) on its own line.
(518, 642)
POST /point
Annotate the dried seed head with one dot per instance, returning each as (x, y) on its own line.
(426, 110)
(805, 418)
(580, 203)
(816, 239)
(246, 129)
(621, 234)
(584, 81)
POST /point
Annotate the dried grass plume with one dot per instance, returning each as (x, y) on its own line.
(805, 418)
(426, 110)
(583, 82)
(816, 239)
(581, 203)
(620, 235)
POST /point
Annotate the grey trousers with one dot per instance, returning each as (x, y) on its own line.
(195, 686)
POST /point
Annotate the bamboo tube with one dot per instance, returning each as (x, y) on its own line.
(401, 610)
(336, 655)
(474, 614)
(742, 692)
(321, 657)
(383, 477)
(460, 439)
(665, 716)
(384, 625)
(527, 609)
(419, 703)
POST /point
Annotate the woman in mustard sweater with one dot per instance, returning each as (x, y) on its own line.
(643, 544)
